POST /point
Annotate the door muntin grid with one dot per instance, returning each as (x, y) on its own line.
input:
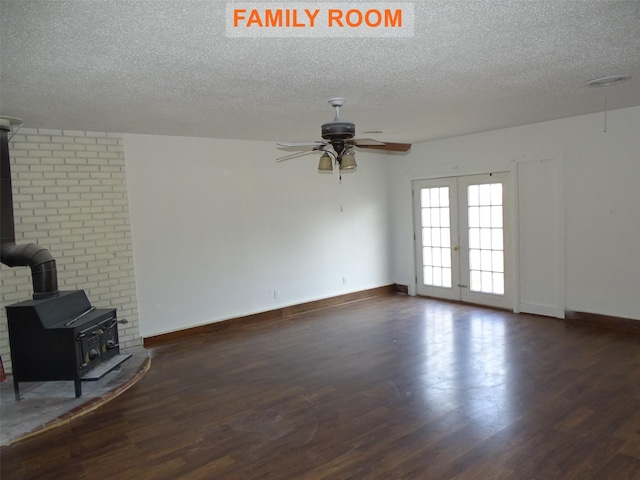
(475, 250)
(436, 236)
(486, 238)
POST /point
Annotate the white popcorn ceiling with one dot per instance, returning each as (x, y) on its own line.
(166, 67)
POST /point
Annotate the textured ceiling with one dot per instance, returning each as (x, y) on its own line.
(166, 67)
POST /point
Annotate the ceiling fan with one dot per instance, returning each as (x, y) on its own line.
(338, 135)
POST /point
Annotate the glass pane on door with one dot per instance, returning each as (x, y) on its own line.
(462, 238)
(486, 245)
(436, 236)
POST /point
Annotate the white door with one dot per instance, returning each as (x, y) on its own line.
(462, 245)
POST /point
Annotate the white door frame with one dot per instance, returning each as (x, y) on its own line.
(460, 291)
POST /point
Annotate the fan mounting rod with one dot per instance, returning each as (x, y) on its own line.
(336, 103)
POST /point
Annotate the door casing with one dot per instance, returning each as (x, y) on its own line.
(459, 289)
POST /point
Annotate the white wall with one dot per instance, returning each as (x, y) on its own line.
(218, 227)
(600, 201)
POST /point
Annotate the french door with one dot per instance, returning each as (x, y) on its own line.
(462, 240)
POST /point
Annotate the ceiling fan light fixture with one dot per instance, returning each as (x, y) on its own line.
(348, 163)
(338, 142)
(325, 165)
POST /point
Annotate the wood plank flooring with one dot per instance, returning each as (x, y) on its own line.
(390, 387)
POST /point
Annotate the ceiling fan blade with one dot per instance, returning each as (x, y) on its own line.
(301, 144)
(392, 147)
(364, 142)
(296, 155)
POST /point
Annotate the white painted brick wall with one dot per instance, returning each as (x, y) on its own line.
(70, 196)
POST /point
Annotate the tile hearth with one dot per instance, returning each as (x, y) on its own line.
(44, 405)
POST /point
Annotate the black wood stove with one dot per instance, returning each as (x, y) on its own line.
(62, 337)
(57, 335)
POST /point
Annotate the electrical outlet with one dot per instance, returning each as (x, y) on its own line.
(344, 280)
(275, 294)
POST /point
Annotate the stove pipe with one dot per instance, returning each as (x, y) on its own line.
(43, 266)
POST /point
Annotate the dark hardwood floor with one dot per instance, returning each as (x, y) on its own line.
(391, 387)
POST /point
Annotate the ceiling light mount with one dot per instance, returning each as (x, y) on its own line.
(608, 80)
(10, 124)
(10, 121)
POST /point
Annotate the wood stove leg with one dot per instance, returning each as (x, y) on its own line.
(78, 386)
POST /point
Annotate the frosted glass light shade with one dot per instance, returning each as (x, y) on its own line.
(348, 161)
(325, 165)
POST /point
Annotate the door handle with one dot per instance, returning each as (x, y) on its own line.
(454, 248)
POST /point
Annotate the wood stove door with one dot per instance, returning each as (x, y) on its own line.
(98, 341)
(89, 344)
(109, 345)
